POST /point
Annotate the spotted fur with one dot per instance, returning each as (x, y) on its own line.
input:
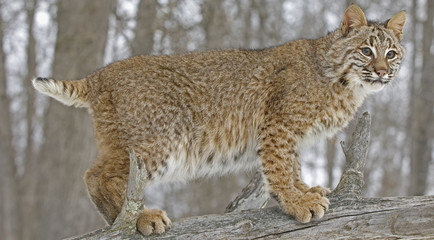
(217, 112)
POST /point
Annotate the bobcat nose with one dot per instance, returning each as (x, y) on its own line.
(381, 72)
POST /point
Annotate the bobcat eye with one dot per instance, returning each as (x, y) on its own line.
(367, 51)
(390, 54)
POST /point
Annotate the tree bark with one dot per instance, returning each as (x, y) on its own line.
(370, 218)
(253, 196)
(133, 204)
(351, 183)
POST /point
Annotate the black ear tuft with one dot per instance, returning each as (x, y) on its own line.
(42, 79)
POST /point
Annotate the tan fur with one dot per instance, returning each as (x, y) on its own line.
(216, 112)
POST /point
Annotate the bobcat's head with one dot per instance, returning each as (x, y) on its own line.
(367, 55)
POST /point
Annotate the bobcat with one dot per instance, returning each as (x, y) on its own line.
(217, 112)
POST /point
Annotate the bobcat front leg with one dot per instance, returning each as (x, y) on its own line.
(278, 157)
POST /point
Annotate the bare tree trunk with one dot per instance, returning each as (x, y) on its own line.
(270, 22)
(214, 24)
(246, 16)
(421, 113)
(143, 42)
(8, 179)
(31, 73)
(69, 147)
(27, 183)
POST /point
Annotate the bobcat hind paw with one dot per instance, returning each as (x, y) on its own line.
(153, 221)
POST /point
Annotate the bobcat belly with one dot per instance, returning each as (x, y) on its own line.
(190, 162)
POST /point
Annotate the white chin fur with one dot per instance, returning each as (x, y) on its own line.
(373, 86)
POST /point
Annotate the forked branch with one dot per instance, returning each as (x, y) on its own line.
(133, 204)
(351, 182)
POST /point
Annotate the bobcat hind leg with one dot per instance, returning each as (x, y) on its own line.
(107, 190)
(107, 185)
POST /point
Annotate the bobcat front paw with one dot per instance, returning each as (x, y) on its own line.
(307, 206)
(153, 221)
(320, 190)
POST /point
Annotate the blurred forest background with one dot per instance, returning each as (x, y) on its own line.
(45, 147)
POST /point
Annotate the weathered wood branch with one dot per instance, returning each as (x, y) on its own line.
(349, 216)
(133, 204)
(253, 196)
(366, 218)
(351, 182)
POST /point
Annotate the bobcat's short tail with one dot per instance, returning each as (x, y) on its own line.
(70, 93)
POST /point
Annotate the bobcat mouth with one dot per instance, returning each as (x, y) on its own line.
(377, 80)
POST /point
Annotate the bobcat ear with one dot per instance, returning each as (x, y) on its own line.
(396, 24)
(353, 17)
